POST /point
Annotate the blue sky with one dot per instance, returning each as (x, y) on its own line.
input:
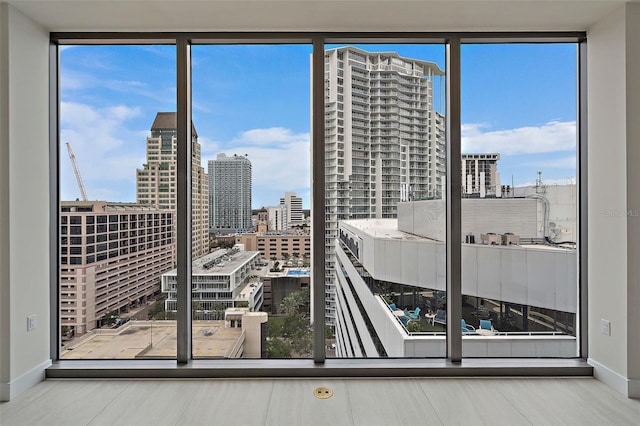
(518, 100)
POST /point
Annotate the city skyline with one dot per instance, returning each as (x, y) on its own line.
(255, 100)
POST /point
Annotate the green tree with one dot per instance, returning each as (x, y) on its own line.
(196, 310)
(218, 310)
(291, 304)
(277, 348)
(156, 308)
(297, 330)
(328, 332)
(285, 255)
(110, 318)
(295, 302)
(274, 327)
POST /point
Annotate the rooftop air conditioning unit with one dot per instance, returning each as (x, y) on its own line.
(509, 239)
(491, 239)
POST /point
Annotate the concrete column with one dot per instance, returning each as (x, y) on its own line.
(614, 201)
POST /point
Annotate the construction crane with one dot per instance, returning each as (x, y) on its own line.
(77, 172)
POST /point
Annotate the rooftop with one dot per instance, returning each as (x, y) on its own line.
(97, 206)
(388, 229)
(383, 228)
(220, 262)
(169, 121)
(152, 340)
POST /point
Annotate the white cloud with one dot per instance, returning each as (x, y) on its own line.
(73, 80)
(273, 135)
(568, 162)
(107, 152)
(280, 160)
(549, 137)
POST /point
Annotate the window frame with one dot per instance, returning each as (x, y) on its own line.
(344, 367)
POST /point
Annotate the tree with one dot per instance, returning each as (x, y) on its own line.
(218, 310)
(274, 328)
(110, 318)
(156, 308)
(196, 310)
(285, 255)
(297, 330)
(277, 348)
(291, 304)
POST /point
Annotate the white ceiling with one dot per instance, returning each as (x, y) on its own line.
(315, 15)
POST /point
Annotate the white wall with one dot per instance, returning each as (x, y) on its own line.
(24, 165)
(5, 331)
(534, 276)
(633, 194)
(614, 274)
(613, 112)
(519, 216)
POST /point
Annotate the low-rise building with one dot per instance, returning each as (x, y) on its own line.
(279, 244)
(528, 291)
(226, 278)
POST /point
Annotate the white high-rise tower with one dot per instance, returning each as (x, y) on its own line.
(384, 141)
(230, 192)
(293, 204)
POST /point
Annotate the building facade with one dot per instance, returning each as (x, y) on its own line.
(278, 218)
(293, 204)
(230, 193)
(226, 278)
(112, 256)
(156, 181)
(390, 268)
(480, 176)
(278, 245)
(385, 141)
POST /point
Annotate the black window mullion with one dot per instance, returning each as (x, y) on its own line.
(454, 202)
(183, 226)
(318, 200)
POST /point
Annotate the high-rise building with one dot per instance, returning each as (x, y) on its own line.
(112, 256)
(294, 208)
(156, 182)
(384, 140)
(278, 218)
(480, 176)
(230, 193)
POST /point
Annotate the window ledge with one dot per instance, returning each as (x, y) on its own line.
(260, 368)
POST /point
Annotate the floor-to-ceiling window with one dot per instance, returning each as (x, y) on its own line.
(519, 200)
(117, 200)
(385, 146)
(251, 280)
(250, 113)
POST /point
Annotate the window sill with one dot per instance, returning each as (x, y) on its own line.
(274, 368)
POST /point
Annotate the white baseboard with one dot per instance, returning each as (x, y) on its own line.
(627, 387)
(634, 388)
(9, 390)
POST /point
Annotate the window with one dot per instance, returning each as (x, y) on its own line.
(101, 121)
(385, 140)
(399, 87)
(519, 159)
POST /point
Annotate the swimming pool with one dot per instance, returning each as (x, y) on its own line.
(298, 273)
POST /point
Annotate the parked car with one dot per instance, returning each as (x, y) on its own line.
(122, 321)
